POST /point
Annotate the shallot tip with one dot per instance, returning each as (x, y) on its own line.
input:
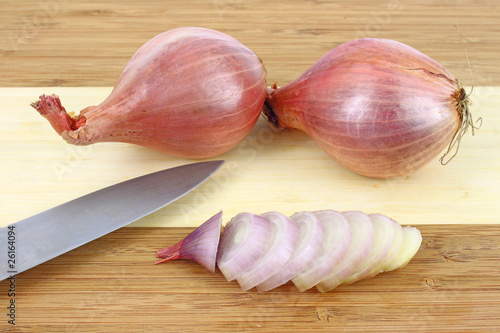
(50, 107)
(199, 246)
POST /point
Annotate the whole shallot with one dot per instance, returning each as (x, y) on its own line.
(188, 92)
(378, 107)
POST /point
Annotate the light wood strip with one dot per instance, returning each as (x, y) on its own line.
(283, 171)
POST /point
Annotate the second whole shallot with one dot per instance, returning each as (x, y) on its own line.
(188, 92)
(379, 107)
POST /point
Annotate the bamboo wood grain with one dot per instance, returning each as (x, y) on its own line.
(111, 285)
(283, 171)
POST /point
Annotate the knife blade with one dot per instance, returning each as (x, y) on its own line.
(41, 237)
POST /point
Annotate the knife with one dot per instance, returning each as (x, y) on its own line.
(46, 235)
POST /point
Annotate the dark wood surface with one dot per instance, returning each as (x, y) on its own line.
(112, 285)
(88, 43)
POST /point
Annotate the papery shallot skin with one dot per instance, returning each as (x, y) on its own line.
(378, 107)
(188, 92)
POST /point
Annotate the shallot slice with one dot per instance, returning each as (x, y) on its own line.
(361, 243)
(199, 246)
(382, 243)
(397, 241)
(285, 238)
(311, 238)
(334, 247)
(245, 239)
(412, 239)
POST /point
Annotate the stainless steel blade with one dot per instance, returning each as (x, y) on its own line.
(44, 236)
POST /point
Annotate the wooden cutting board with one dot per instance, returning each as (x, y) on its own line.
(111, 285)
(284, 171)
(77, 49)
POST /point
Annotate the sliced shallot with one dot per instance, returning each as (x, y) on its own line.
(245, 239)
(362, 237)
(412, 239)
(311, 237)
(323, 249)
(397, 241)
(335, 244)
(284, 241)
(199, 246)
(382, 243)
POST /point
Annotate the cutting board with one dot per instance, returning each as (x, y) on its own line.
(284, 171)
(78, 49)
(112, 285)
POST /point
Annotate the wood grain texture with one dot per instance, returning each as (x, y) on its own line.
(88, 43)
(111, 285)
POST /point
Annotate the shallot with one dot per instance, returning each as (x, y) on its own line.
(412, 238)
(361, 243)
(323, 248)
(312, 233)
(383, 240)
(286, 236)
(246, 238)
(188, 92)
(333, 249)
(199, 246)
(379, 107)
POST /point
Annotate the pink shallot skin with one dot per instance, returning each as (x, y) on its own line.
(199, 246)
(188, 92)
(378, 107)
